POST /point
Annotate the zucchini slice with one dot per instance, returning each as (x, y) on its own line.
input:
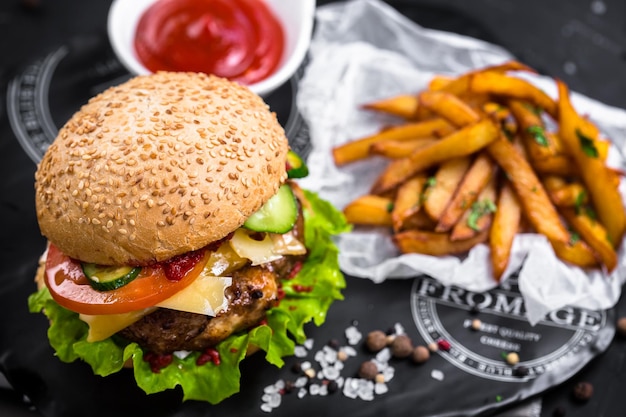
(296, 168)
(107, 278)
(277, 215)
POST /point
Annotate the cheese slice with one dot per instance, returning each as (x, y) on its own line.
(271, 247)
(203, 296)
(103, 327)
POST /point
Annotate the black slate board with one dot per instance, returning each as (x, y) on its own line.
(27, 359)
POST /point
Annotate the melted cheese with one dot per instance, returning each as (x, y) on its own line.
(268, 249)
(103, 327)
(203, 296)
(206, 295)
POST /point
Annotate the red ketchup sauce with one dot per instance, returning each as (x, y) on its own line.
(237, 39)
(176, 268)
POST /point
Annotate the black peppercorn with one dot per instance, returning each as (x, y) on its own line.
(334, 343)
(256, 294)
(296, 368)
(559, 412)
(332, 387)
(289, 386)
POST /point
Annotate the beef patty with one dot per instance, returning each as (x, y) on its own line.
(254, 290)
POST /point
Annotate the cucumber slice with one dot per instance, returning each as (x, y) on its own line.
(296, 168)
(277, 215)
(107, 278)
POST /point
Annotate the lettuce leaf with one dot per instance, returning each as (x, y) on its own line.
(320, 278)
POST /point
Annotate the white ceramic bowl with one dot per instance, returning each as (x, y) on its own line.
(296, 17)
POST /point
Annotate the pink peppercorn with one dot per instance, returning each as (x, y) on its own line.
(443, 344)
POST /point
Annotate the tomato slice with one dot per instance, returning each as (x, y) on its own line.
(69, 287)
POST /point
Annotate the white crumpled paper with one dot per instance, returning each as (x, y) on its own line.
(364, 50)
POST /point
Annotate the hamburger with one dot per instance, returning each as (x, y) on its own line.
(178, 239)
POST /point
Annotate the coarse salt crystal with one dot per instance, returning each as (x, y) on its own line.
(437, 374)
(182, 354)
(331, 373)
(274, 400)
(389, 373)
(381, 388)
(349, 350)
(353, 335)
(302, 381)
(308, 344)
(302, 392)
(365, 390)
(384, 355)
(314, 389)
(270, 389)
(300, 351)
(350, 387)
(266, 407)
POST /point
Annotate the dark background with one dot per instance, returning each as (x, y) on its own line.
(582, 42)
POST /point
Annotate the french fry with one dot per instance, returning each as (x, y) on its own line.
(403, 106)
(370, 210)
(447, 179)
(490, 82)
(577, 253)
(460, 85)
(593, 233)
(476, 178)
(359, 149)
(496, 111)
(565, 194)
(503, 229)
(434, 244)
(443, 131)
(394, 149)
(468, 128)
(449, 107)
(408, 201)
(464, 142)
(539, 143)
(561, 165)
(438, 82)
(535, 201)
(419, 220)
(478, 216)
(578, 137)
(546, 147)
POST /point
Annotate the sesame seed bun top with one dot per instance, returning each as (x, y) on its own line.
(158, 166)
